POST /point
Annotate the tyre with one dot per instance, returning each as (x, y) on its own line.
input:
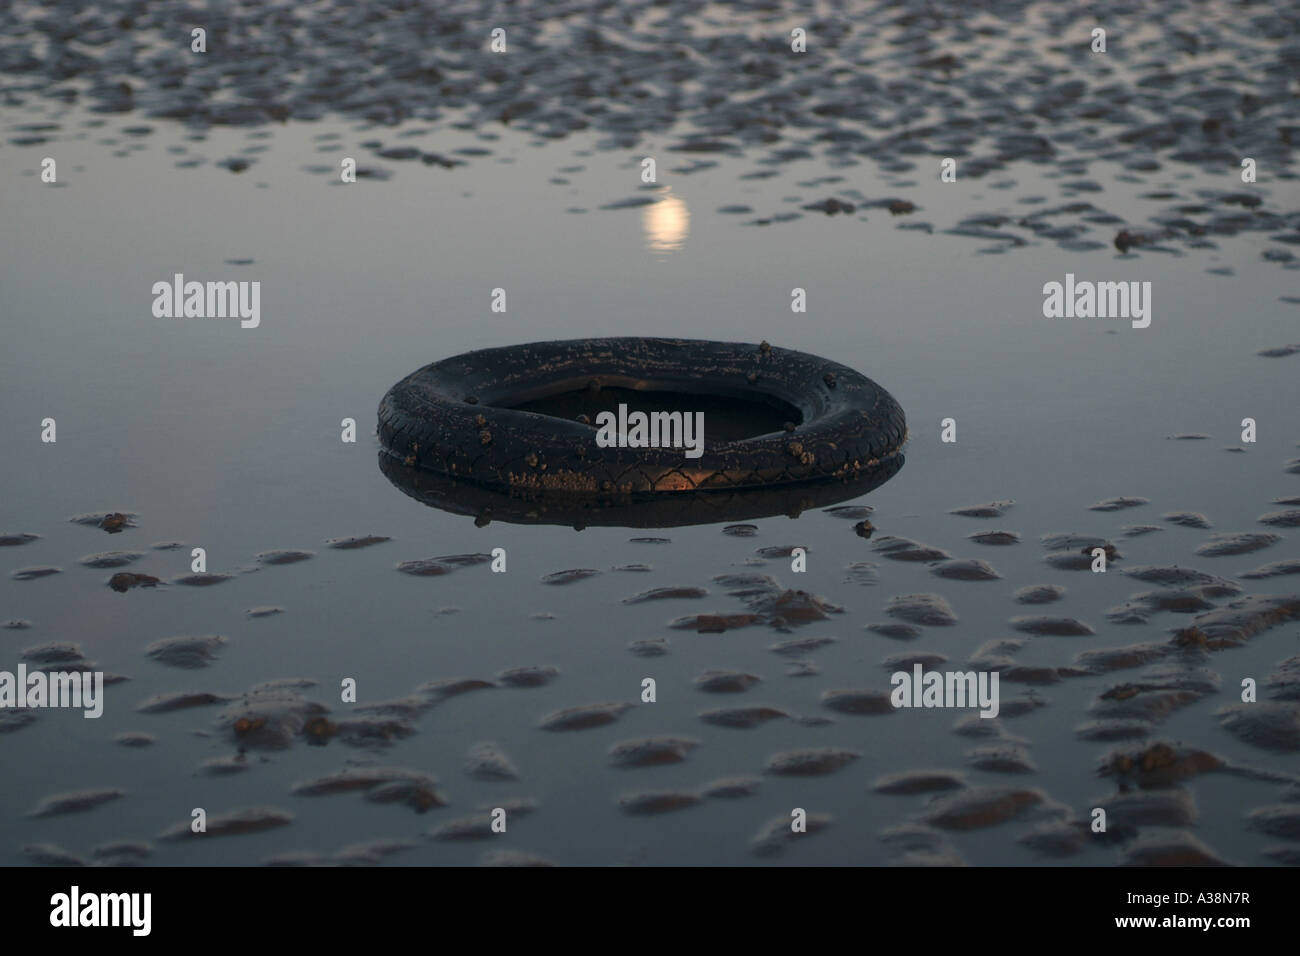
(524, 417)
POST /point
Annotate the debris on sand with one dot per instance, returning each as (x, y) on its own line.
(114, 522)
(124, 581)
(268, 718)
(1158, 764)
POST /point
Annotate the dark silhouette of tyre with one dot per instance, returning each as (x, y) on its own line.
(646, 510)
(502, 417)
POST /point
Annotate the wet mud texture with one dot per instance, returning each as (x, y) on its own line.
(890, 84)
(1131, 692)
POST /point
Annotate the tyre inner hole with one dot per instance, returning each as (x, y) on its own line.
(726, 418)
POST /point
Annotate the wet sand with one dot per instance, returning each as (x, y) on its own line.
(523, 691)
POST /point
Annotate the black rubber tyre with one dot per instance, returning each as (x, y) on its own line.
(448, 417)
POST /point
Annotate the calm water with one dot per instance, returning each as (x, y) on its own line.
(228, 439)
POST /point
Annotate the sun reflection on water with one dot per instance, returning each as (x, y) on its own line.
(666, 223)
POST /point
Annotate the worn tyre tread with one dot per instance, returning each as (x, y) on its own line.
(441, 418)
